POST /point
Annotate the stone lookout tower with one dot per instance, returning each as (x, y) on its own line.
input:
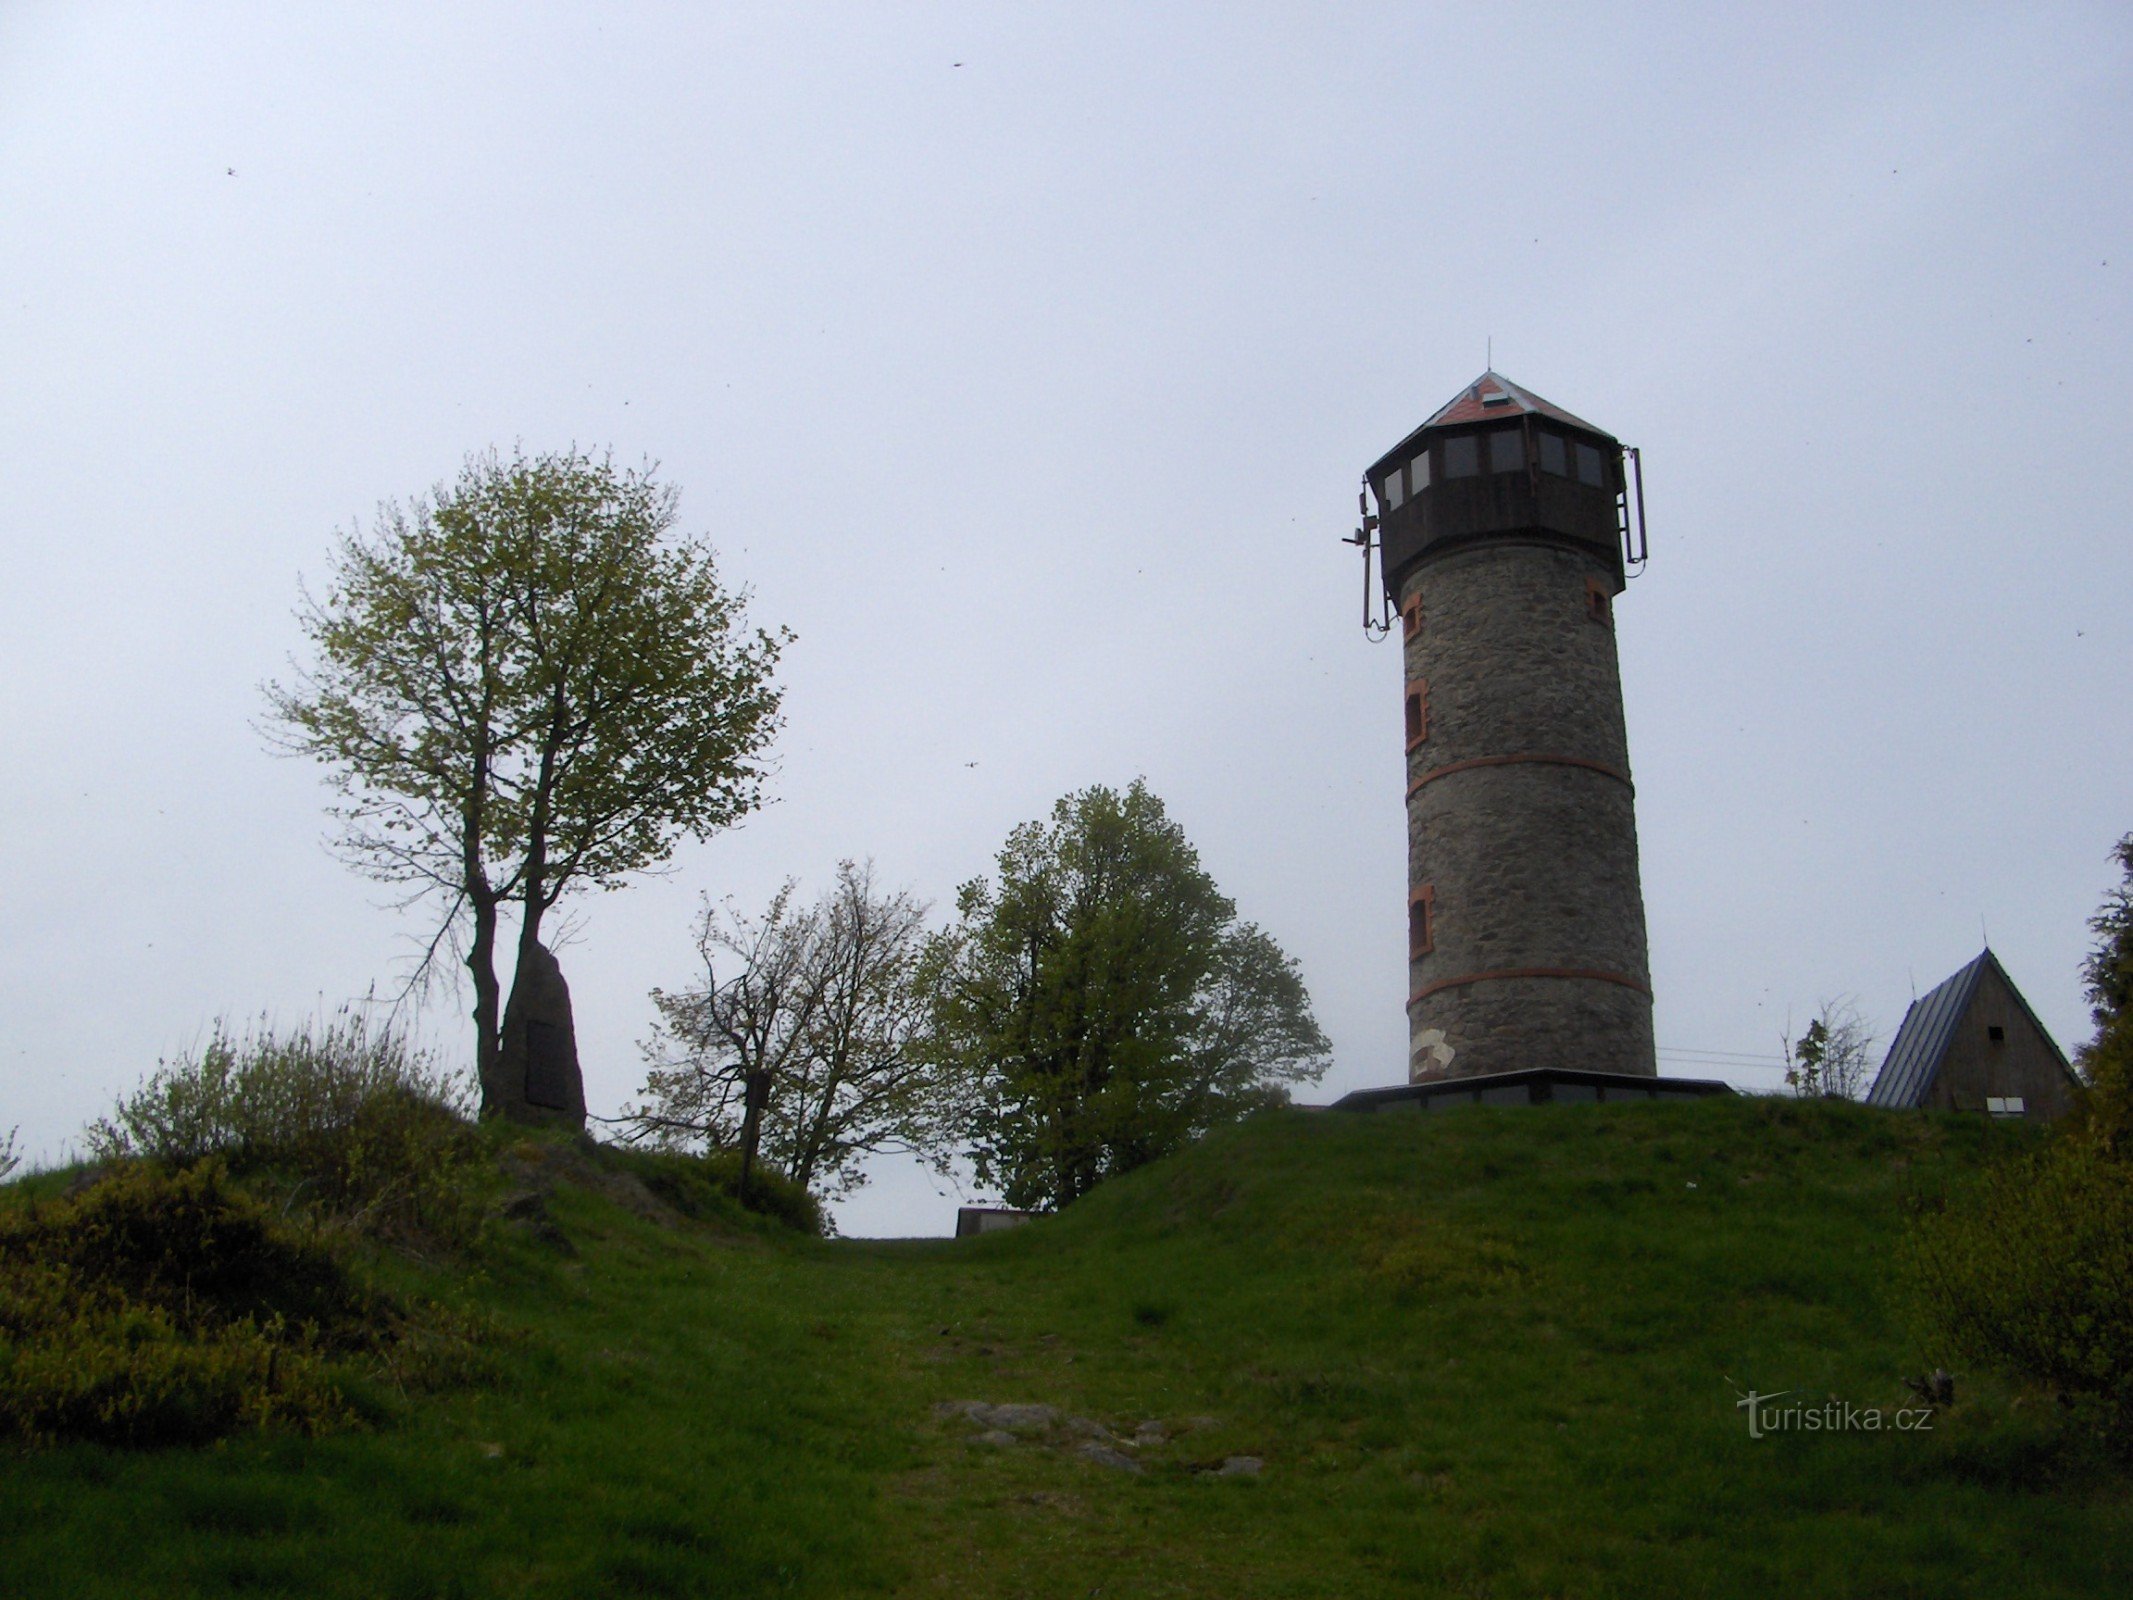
(1504, 524)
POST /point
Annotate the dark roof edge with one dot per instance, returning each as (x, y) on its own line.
(1368, 1099)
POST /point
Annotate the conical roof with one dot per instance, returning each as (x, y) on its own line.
(1488, 397)
(1494, 395)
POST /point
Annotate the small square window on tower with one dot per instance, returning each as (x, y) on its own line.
(1411, 616)
(1417, 711)
(1599, 604)
(1421, 920)
(1507, 450)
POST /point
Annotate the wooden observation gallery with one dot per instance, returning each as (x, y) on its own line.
(1504, 531)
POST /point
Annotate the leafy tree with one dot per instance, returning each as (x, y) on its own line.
(525, 686)
(2107, 1061)
(2108, 970)
(801, 1044)
(1103, 1005)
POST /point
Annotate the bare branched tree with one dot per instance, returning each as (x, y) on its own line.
(799, 1047)
(1830, 1060)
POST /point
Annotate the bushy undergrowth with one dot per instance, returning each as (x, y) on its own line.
(705, 1186)
(2032, 1273)
(161, 1307)
(197, 1287)
(350, 1123)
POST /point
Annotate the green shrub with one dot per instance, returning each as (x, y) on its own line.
(350, 1123)
(161, 1307)
(709, 1185)
(2106, 1114)
(2033, 1274)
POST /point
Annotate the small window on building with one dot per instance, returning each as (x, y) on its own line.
(1589, 465)
(1996, 1035)
(1421, 921)
(1555, 456)
(1419, 467)
(1417, 711)
(1507, 451)
(1599, 604)
(1393, 492)
(2010, 1106)
(1411, 617)
(1462, 456)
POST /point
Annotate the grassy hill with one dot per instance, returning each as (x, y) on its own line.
(1486, 1352)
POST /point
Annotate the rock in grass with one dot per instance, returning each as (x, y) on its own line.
(1021, 1418)
(1017, 1419)
(1104, 1456)
(1241, 1467)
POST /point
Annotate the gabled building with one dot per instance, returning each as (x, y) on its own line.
(1973, 1044)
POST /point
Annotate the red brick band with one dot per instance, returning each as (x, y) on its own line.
(1600, 767)
(1429, 989)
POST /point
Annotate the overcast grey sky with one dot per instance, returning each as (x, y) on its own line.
(1023, 359)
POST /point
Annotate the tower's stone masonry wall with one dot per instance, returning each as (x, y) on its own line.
(1531, 865)
(1537, 1022)
(1514, 662)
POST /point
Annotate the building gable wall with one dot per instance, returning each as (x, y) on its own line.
(2022, 1062)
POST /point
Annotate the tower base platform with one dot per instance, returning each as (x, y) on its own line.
(1531, 1086)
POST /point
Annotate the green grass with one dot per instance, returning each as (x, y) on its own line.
(1486, 1352)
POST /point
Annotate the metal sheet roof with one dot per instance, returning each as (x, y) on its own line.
(1914, 1055)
